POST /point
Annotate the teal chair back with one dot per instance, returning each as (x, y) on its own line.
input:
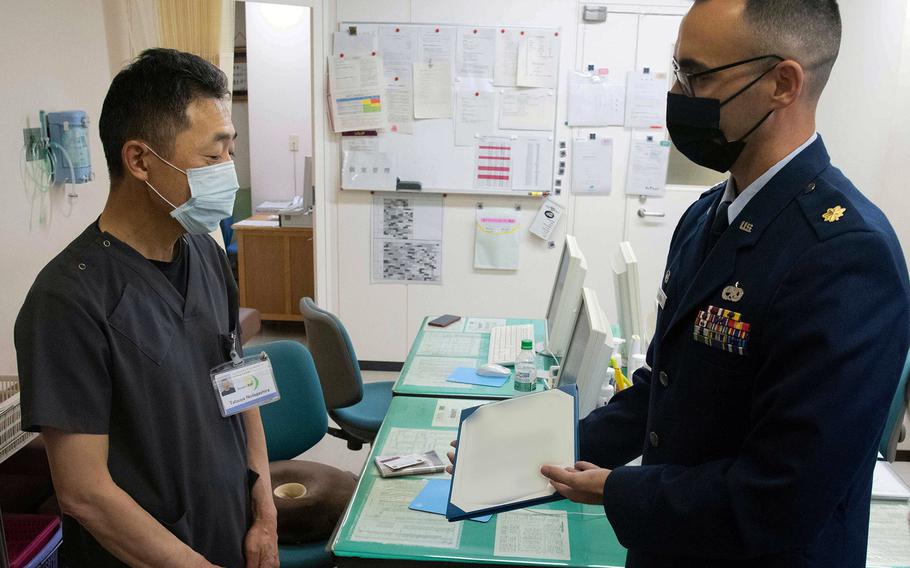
(297, 421)
(339, 370)
(894, 433)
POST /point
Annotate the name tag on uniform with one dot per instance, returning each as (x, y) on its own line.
(246, 384)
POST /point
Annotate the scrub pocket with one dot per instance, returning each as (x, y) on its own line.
(146, 324)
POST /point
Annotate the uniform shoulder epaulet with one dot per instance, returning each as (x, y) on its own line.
(828, 210)
(719, 187)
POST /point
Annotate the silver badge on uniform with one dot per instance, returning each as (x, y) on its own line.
(733, 293)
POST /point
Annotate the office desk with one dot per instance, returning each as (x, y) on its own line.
(378, 529)
(436, 352)
(275, 266)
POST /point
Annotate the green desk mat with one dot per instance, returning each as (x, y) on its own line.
(469, 359)
(591, 538)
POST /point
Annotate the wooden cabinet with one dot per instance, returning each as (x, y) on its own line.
(275, 266)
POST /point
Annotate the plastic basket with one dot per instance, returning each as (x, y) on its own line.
(48, 557)
(12, 438)
(27, 536)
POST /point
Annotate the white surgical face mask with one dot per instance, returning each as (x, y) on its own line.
(212, 192)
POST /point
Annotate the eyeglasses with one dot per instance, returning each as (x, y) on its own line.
(686, 80)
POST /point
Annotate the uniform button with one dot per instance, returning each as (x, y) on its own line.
(655, 441)
(81, 266)
(106, 243)
(664, 379)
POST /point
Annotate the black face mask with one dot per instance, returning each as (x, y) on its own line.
(694, 127)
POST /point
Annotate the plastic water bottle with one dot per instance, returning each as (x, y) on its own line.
(526, 367)
(607, 390)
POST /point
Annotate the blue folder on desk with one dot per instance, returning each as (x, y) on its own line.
(501, 447)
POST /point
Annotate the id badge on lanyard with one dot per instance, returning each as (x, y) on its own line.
(244, 383)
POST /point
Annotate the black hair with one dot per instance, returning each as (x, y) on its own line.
(148, 99)
(808, 31)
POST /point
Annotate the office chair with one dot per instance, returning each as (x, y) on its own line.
(894, 426)
(294, 424)
(356, 407)
(228, 233)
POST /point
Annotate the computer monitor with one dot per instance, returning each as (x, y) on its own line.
(565, 297)
(588, 355)
(628, 296)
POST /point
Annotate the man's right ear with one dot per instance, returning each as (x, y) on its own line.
(135, 156)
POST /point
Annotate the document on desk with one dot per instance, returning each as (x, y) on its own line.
(432, 90)
(475, 115)
(434, 371)
(483, 325)
(527, 109)
(448, 411)
(442, 344)
(887, 485)
(889, 544)
(357, 88)
(648, 163)
(646, 100)
(538, 59)
(505, 69)
(592, 166)
(475, 52)
(533, 533)
(595, 102)
(407, 239)
(407, 441)
(385, 518)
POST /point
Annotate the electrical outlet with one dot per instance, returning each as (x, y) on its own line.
(294, 143)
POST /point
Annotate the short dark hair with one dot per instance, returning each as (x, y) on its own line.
(808, 31)
(148, 99)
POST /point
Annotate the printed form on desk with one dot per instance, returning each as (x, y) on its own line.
(533, 533)
(889, 542)
(407, 441)
(442, 344)
(385, 518)
(433, 371)
(448, 411)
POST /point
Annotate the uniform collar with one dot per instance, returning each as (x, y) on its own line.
(739, 202)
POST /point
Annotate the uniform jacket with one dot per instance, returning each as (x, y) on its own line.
(774, 361)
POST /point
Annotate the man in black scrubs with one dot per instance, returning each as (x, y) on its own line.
(117, 337)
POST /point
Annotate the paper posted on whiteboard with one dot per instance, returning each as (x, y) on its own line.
(646, 100)
(363, 166)
(407, 239)
(538, 59)
(648, 162)
(497, 239)
(527, 109)
(357, 89)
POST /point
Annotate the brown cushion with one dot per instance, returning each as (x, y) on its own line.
(312, 516)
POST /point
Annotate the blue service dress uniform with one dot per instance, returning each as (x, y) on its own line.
(774, 361)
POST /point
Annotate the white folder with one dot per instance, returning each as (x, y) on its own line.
(501, 447)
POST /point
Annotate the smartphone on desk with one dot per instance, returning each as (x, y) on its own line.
(444, 321)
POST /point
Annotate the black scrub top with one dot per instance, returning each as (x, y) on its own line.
(107, 345)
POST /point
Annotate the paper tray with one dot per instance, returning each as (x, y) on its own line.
(501, 447)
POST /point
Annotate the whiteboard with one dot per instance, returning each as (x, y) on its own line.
(429, 154)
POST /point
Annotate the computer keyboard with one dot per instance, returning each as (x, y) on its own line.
(505, 342)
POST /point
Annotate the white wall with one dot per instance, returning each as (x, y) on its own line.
(857, 119)
(39, 77)
(240, 116)
(279, 84)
